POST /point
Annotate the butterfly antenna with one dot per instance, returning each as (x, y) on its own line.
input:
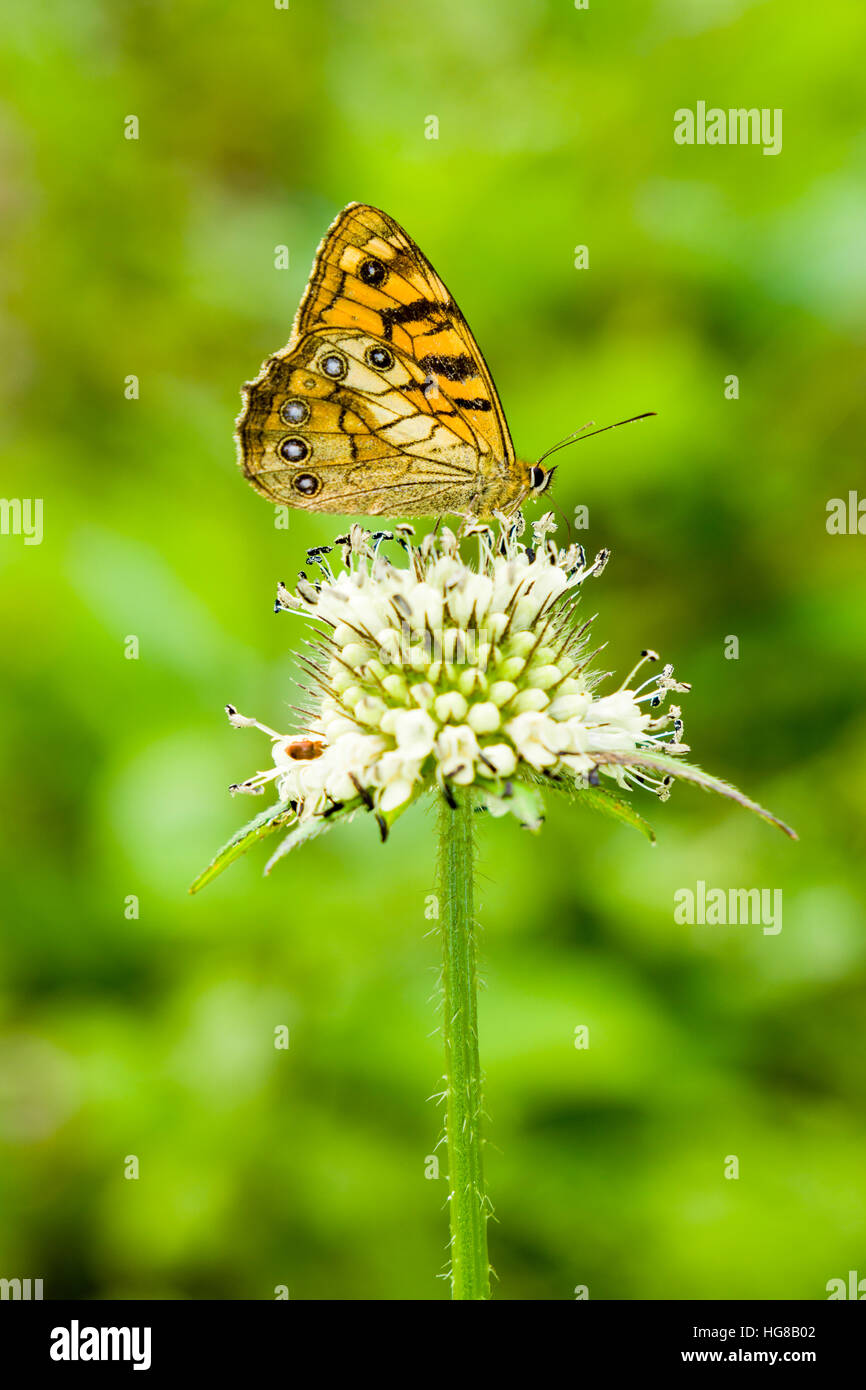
(579, 435)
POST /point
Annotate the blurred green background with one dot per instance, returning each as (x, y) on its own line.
(153, 1035)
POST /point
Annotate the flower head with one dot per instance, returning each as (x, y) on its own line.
(426, 670)
(432, 670)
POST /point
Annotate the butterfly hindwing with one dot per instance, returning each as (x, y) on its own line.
(342, 423)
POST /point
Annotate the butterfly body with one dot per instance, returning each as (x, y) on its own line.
(381, 403)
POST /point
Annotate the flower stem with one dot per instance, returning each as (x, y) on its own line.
(469, 1207)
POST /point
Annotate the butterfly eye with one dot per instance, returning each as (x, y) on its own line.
(540, 478)
(372, 272)
(307, 483)
(380, 357)
(294, 450)
(334, 365)
(295, 411)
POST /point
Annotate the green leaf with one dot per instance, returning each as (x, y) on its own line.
(616, 807)
(264, 825)
(309, 830)
(686, 772)
(274, 819)
(600, 799)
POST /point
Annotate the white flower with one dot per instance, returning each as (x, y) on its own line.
(457, 750)
(499, 760)
(536, 738)
(415, 733)
(395, 775)
(436, 672)
(619, 708)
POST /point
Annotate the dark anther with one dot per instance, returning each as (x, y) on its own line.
(449, 796)
(592, 777)
(362, 791)
(383, 827)
(402, 606)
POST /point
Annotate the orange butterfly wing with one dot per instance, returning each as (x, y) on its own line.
(328, 429)
(370, 275)
(381, 402)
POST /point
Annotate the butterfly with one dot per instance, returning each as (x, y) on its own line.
(381, 403)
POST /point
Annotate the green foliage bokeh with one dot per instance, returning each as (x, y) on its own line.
(153, 1035)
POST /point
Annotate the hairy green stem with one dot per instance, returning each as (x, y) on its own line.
(469, 1207)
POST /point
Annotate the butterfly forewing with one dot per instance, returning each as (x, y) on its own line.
(381, 402)
(369, 273)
